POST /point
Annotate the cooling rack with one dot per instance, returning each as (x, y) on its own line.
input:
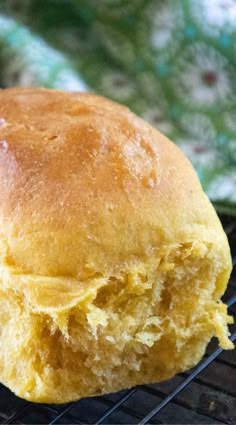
(205, 395)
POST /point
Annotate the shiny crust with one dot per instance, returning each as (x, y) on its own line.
(86, 185)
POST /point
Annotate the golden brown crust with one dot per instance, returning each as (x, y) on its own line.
(91, 195)
(78, 172)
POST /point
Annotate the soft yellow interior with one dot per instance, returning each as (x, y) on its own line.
(62, 339)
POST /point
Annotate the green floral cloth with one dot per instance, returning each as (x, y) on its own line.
(171, 61)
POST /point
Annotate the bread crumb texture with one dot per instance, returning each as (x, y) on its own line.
(112, 259)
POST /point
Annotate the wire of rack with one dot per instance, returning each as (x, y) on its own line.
(207, 394)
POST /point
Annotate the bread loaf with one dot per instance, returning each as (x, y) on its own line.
(112, 259)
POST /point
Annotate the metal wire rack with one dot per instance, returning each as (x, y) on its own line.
(205, 395)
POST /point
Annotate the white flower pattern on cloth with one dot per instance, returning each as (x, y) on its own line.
(156, 118)
(223, 187)
(153, 90)
(157, 30)
(116, 84)
(116, 44)
(166, 17)
(203, 77)
(214, 16)
(198, 125)
(199, 152)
